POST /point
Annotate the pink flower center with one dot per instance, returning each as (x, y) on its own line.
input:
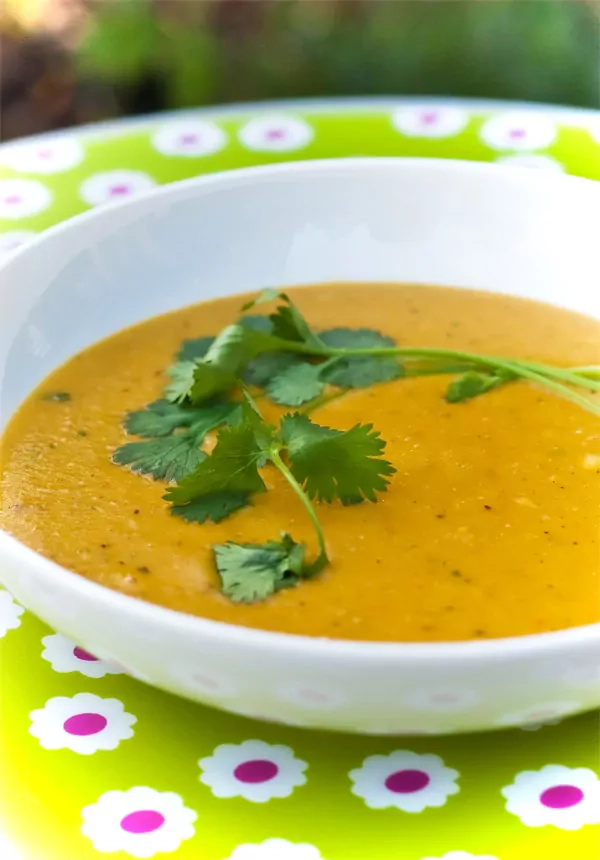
(13, 198)
(561, 796)
(429, 118)
(83, 725)
(142, 821)
(275, 134)
(407, 781)
(44, 153)
(517, 133)
(84, 655)
(119, 190)
(255, 771)
(188, 139)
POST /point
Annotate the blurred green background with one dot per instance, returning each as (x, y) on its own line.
(70, 61)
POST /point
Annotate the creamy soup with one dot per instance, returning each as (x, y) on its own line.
(488, 528)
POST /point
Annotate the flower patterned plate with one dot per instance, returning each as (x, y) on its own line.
(96, 764)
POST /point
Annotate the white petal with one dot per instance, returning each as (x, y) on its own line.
(518, 130)
(190, 138)
(433, 121)
(141, 822)
(20, 198)
(10, 613)
(45, 156)
(276, 134)
(84, 724)
(113, 186)
(64, 656)
(276, 849)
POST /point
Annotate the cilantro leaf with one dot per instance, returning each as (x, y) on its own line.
(192, 350)
(212, 508)
(161, 418)
(267, 295)
(253, 572)
(336, 464)
(360, 371)
(168, 458)
(232, 467)
(299, 383)
(289, 324)
(234, 347)
(287, 321)
(182, 380)
(264, 367)
(473, 384)
(257, 322)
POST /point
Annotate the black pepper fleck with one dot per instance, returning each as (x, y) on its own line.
(144, 569)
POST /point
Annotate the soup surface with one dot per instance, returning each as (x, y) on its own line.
(489, 527)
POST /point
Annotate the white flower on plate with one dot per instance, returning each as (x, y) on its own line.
(83, 724)
(20, 198)
(568, 798)
(532, 161)
(13, 239)
(519, 130)
(64, 655)
(189, 137)
(461, 855)
(543, 714)
(253, 770)
(404, 780)
(432, 120)
(114, 185)
(47, 155)
(276, 849)
(442, 700)
(10, 613)
(140, 822)
(313, 697)
(276, 134)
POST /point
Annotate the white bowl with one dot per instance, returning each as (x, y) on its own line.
(455, 223)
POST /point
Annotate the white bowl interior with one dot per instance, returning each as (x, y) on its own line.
(454, 223)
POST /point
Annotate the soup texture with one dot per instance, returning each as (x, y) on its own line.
(489, 526)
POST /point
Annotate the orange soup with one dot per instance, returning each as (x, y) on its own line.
(489, 526)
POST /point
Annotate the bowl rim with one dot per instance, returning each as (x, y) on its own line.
(346, 650)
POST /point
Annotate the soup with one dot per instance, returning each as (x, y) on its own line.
(488, 527)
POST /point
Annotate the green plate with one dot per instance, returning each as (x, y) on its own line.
(95, 763)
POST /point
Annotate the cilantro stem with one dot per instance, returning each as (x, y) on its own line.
(553, 385)
(544, 375)
(322, 559)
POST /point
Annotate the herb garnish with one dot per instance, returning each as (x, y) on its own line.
(317, 462)
(294, 365)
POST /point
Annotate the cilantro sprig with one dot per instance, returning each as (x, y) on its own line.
(294, 365)
(317, 462)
